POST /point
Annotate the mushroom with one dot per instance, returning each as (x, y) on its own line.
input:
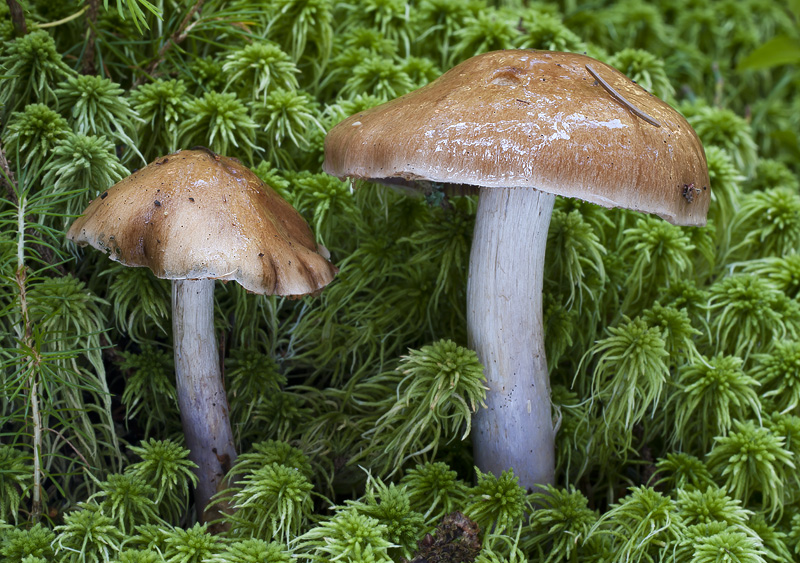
(194, 217)
(524, 126)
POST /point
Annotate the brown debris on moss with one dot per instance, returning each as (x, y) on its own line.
(455, 540)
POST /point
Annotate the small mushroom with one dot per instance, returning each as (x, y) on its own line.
(194, 217)
(524, 126)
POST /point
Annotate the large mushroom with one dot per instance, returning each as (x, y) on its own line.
(194, 217)
(524, 126)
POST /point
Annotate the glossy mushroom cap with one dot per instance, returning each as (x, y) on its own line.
(196, 215)
(558, 122)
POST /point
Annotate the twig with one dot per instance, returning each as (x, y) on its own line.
(25, 333)
(91, 37)
(180, 34)
(8, 177)
(617, 96)
(86, 465)
(17, 18)
(67, 19)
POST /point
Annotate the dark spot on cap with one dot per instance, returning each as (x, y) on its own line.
(191, 199)
(158, 203)
(104, 195)
(260, 254)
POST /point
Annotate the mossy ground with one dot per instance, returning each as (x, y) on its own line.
(676, 382)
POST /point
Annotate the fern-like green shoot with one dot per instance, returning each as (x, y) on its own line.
(676, 329)
(728, 545)
(773, 540)
(712, 505)
(326, 202)
(636, 24)
(498, 504)
(304, 28)
(138, 556)
(725, 129)
(434, 490)
(128, 500)
(15, 476)
(710, 394)
(643, 526)
(248, 374)
(150, 387)
(779, 375)
(630, 372)
(542, 30)
(783, 272)
(32, 65)
(193, 545)
(253, 551)
(726, 180)
(752, 459)
(389, 17)
(274, 501)
(165, 465)
(574, 257)
(33, 133)
(141, 301)
(349, 537)
(96, 106)
(645, 69)
(439, 387)
(258, 68)
(272, 451)
(559, 524)
(86, 165)
(486, 31)
(220, 122)
(421, 70)
(18, 543)
(656, 253)
(87, 535)
(748, 314)
(391, 505)
(767, 224)
(378, 76)
(771, 173)
(285, 117)
(679, 470)
(161, 106)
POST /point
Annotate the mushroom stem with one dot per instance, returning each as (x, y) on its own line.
(201, 395)
(504, 324)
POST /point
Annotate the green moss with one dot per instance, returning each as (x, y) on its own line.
(32, 134)
(33, 66)
(272, 501)
(752, 459)
(664, 343)
(561, 517)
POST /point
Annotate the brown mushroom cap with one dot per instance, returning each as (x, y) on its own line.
(196, 215)
(536, 119)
